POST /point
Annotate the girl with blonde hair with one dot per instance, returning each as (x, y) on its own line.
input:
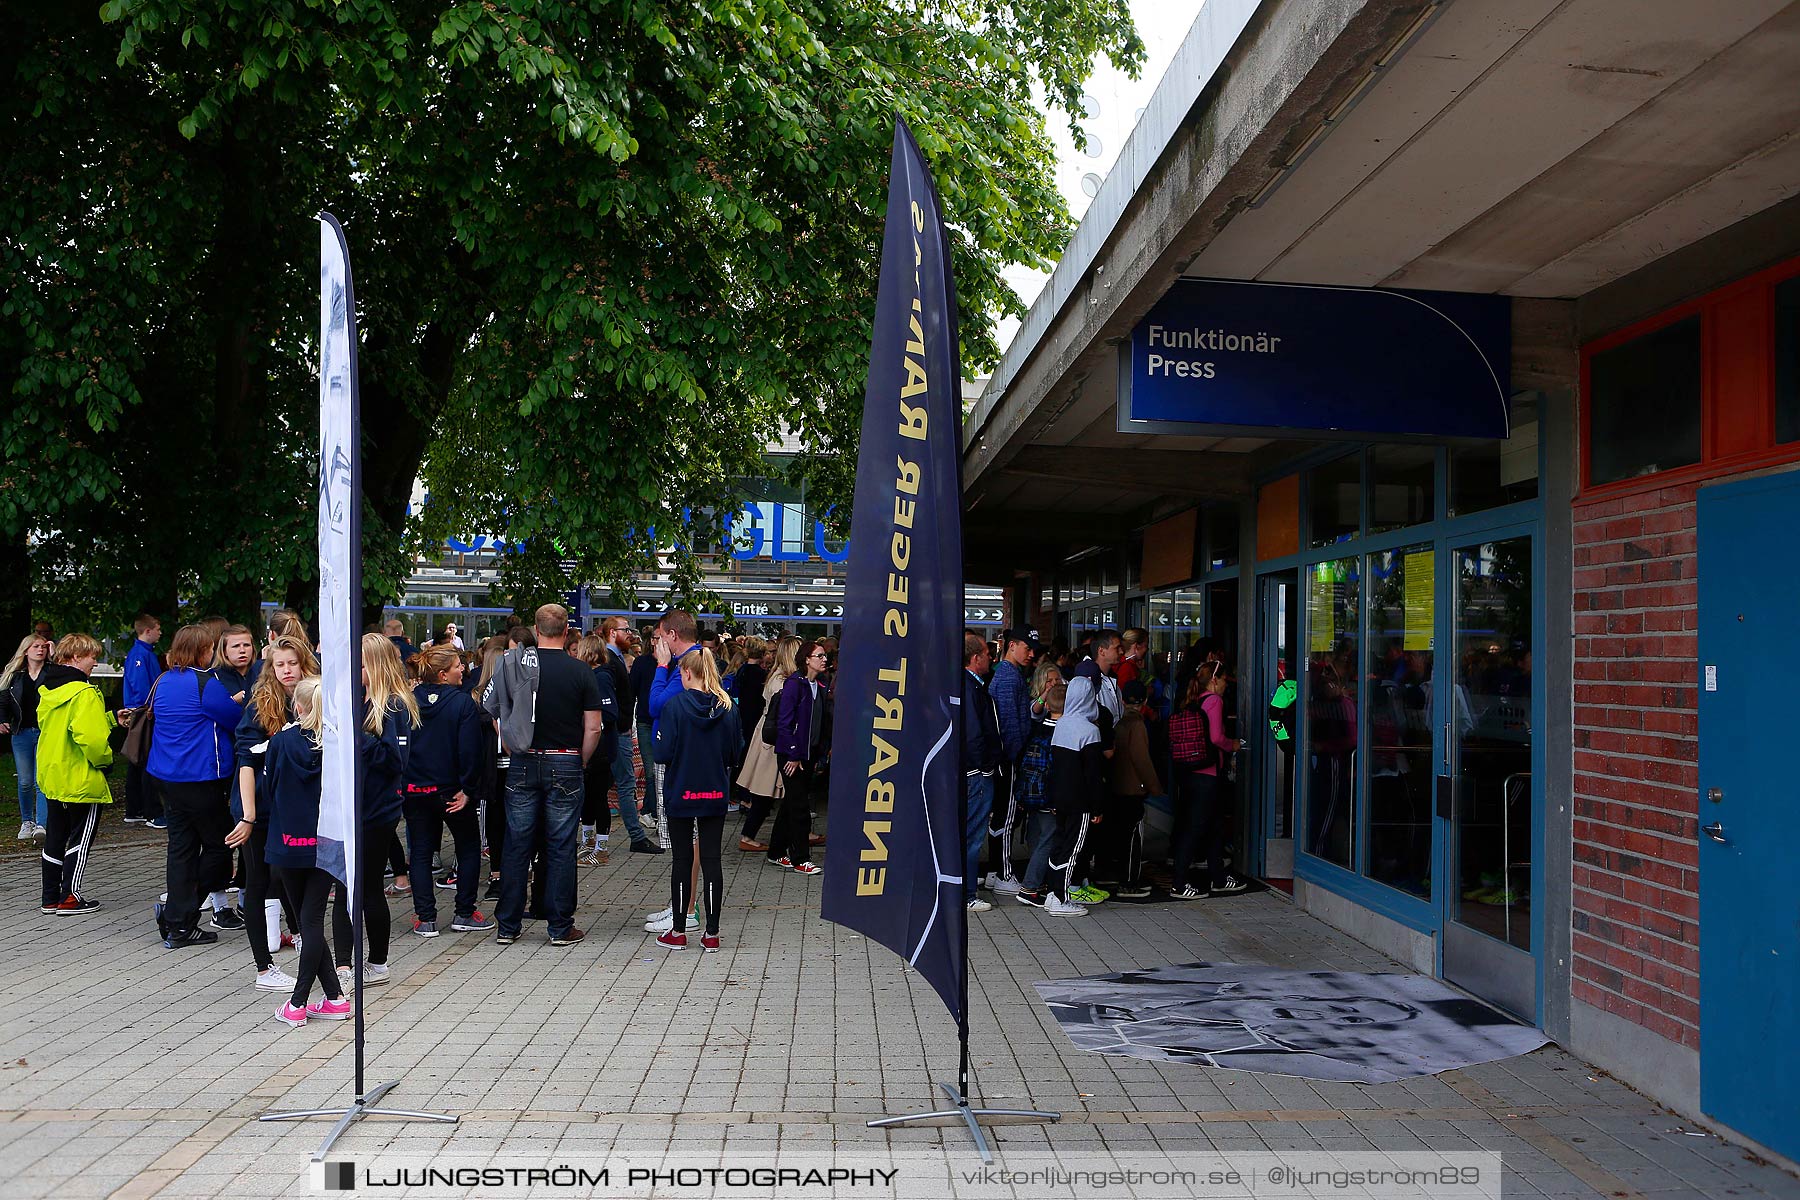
(389, 718)
(291, 781)
(19, 684)
(696, 740)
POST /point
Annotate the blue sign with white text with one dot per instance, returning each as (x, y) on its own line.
(1229, 357)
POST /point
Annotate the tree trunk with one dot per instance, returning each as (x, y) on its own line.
(15, 589)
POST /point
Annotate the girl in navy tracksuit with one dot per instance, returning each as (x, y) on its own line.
(697, 738)
(291, 786)
(443, 769)
(387, 731)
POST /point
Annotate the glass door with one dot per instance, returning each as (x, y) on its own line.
(1488, 793)
(1277, 696)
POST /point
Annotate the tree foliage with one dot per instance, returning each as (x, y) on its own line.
(604, 249)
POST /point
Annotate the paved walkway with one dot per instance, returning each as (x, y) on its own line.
(133, 1071)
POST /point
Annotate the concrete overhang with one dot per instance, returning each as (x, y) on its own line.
(1530, 148)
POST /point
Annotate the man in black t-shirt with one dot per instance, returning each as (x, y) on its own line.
(549, 692)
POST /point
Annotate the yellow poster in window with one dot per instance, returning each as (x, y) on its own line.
(1421, 601)
(1321, 610)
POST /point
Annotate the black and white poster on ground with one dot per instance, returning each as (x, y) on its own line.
(1332, 1025)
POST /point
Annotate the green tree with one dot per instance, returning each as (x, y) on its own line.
(603, 249)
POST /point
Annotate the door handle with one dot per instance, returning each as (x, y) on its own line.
(1715, 831)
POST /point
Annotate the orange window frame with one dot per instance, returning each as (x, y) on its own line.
(1737, 384)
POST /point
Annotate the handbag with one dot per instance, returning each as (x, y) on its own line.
(770, 718)
(136, 749)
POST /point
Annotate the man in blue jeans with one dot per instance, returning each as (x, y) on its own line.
(981, 758)
(624, 770)
(643, 676)
(548, 706)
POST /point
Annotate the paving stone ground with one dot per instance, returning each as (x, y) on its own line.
(132, 1071)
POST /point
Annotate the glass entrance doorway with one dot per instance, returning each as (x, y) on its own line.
(1276, 700)
(1487, 787)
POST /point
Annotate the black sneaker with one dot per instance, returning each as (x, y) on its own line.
(1134, 891)
(645, 846)
(177, 938)
(448, 881)
(493, 890)
(226, 918)
(1035, 899)
(1231, 887)
(503, 938)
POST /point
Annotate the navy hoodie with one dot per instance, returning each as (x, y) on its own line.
(384, 765)
(698, 738)
(250, 735)
(445, 754)
(290, 785)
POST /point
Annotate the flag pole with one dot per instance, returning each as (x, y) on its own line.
(335, 250)
(944, 369)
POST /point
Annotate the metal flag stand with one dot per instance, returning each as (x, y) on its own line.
(366, 1100)
(959, 1092)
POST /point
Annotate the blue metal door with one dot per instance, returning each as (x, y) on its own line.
(1750, 810)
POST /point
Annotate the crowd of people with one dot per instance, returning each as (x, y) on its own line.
(523, 747)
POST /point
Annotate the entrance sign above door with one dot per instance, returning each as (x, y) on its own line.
(1231, 358)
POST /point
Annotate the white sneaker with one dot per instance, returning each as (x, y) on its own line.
(1006, 885)
(374, 973)
(664, 921)
(25, 831)
(275, 980)
(1056, 906)
(979, 905)
(346, 982)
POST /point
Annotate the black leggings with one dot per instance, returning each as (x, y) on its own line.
(311, 886)
(791, 833)
(596, 779)
(261, 885)
(1198, 830)
(396, 856)
(681, 868)
(373, 847)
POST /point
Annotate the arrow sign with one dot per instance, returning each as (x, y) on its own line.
(805, 610)
(838, 611)
(643, 606)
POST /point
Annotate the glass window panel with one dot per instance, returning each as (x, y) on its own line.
(1221, 524)
(1644, 404)
(1489, 474)
(1402, 486)
(1161, 624)
(1787, 360)
(1491, 716)
(1397, 698)
(1333, 671)
(1334, 504)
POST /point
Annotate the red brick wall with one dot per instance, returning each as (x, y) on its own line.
(1636, 936)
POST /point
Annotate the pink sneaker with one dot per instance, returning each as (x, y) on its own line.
(291, 1015)
(330, 1010)
(672, 940)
